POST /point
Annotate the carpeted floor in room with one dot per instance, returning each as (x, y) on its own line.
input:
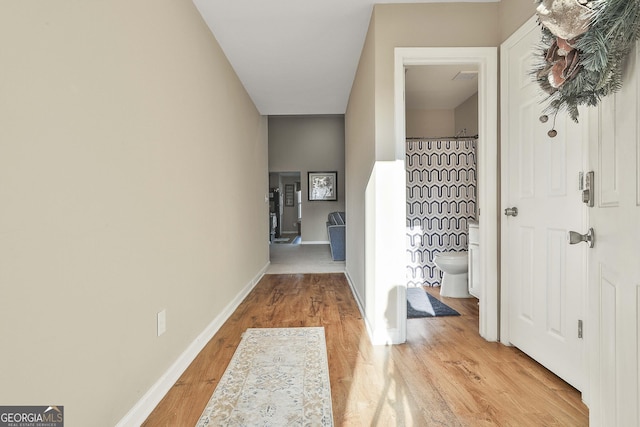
(296, 259)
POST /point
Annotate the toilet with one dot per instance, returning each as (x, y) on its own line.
(455, 277)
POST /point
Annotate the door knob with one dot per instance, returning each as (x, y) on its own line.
(511, 211)
(589, 238)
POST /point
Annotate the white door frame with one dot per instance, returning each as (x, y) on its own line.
(486, 58)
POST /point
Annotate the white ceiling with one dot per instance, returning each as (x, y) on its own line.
(434, 87)
(294, 56)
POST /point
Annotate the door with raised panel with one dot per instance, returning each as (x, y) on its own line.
(543, 277)
(614, 261)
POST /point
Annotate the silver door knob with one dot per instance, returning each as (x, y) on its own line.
(511, 211)
(589, 238)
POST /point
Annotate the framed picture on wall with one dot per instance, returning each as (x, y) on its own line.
(288, 194)
(323, 186)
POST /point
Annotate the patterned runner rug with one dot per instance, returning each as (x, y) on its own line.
(277, 377)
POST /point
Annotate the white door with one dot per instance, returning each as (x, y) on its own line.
(614, 261)
(543, 279)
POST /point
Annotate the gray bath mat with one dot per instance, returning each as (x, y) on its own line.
(421, 304)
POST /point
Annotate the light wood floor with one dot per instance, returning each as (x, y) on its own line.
(445, 375)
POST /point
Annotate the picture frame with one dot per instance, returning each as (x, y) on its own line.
(288, 195)
(322, 186)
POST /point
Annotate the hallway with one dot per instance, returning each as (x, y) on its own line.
(445, 374)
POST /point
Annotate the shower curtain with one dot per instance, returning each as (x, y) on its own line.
(441, 199)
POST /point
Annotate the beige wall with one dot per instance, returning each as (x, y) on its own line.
(429, 123)
(121, 126)
(309, 144)
(466, 117)
(514, 13)
(359, 160)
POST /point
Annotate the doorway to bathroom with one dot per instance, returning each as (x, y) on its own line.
(466, 149)
(441, 104)
(441, 162)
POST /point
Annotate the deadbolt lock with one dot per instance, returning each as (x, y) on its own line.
(588, 192)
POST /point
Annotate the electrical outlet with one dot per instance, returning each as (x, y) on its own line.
(162, 322)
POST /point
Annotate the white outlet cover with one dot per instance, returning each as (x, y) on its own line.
(162, 322)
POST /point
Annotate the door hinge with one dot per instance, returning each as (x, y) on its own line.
(579, 328)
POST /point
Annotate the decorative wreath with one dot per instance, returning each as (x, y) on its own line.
(583, 48)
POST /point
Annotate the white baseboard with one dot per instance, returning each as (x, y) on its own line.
(315, 242)
(355, 294)
(367, 324)
(376, 336)
(141, 410)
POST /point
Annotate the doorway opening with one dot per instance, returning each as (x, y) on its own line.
(285, 208)
(485, 59)
(441, 113)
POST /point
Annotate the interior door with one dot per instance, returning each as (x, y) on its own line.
(614, 261)
(543, 279)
